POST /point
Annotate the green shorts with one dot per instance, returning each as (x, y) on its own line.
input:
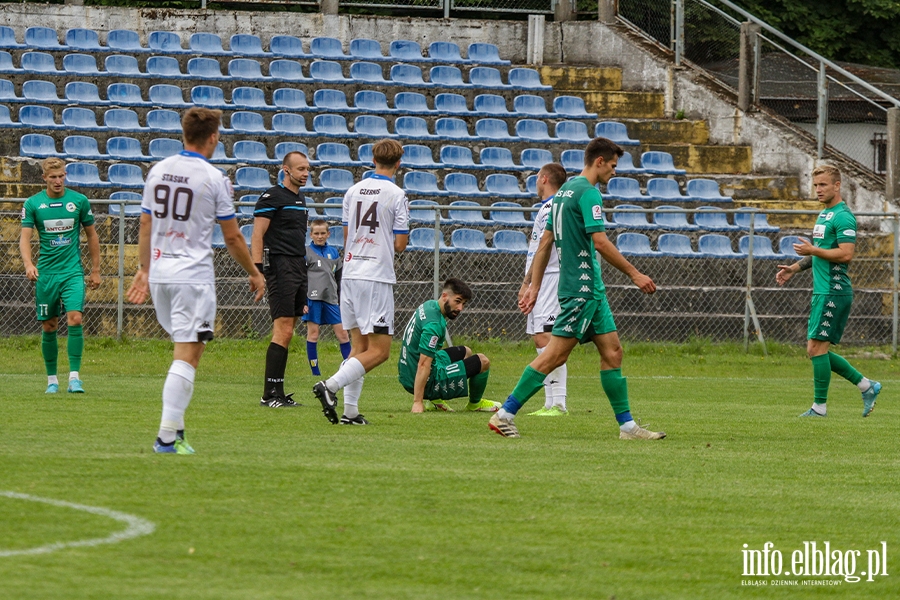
(583, 318)
(447, 379)
(53, 288)
(828, 316)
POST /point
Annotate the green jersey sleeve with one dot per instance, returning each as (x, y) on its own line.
(28, 215)
(591, 204)
(432, 339)
(845, 227)
(86, 215)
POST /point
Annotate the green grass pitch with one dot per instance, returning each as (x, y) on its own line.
(281, 504)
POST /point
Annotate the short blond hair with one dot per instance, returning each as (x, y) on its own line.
(832, 172)
(53, 164)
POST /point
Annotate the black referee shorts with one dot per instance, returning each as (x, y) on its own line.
(286, 285)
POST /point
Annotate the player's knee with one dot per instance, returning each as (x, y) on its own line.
(613, 355)
(74, 319)
(485, 363)
(468, 352)
(50, 325)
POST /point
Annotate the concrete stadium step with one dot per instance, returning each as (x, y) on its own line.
(696, 158)
(663, 131)
(566, 78)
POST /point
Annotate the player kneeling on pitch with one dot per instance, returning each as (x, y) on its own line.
(429, 372)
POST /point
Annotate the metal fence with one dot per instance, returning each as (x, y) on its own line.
(723, 299)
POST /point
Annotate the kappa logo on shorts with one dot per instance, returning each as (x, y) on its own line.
(585, 277)
(828, 314)
(584, 288)
(823, 333)
(551, 319)
(584, 265)
(826, 324)
(583, 254)
(831, 304)
(568, 329)
(838, 286)
(204, 325)
(381, 321)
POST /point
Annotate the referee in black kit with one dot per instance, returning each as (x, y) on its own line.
(278, 248)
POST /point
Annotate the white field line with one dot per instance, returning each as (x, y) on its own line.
(136, 526)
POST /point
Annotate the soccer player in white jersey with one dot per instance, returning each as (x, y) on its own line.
(540, 320)
(376, 225)
(183, 197)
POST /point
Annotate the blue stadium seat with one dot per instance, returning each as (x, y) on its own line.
(366, 49)
(422, 215)
(532, 130)
(84, 174)
(705, 190)
(327, 71)
(74, 117)
(494, 130)
(760, 221)
(6, 64)
(371, 101)
(165, 120)
(41, 92)
(247, 45)
(163, 67)
(124, 40)
(289, 124)
(573, 160)
(762, 248)
(634, 244)
(486, 77)
(419, 157)
(632, 220)
(282, 148)
(408, 75)
(448, 77)
(246, 211)
(250, 97)
(164, 148)
(331, 126)
(616, 132)
(334, 154)
(526, 78)
(6, 121)
(712, 245)
(335, 210)
(487, 54)
(510, 242)
(464, 185)
(204, 68)
(371, 126)
(451, 128)
(218, 238)
(287, 45)
(126, 94)
(457, 157)
(39, 62)
(509, 218)
(327, 47)
(571, 107)
(207, 43)
(8, 38)
(786, 245)
(165, 42)
(123, 66)
(422, 238)
(406, 50)
(531, 185)
(411, 102)
(445, 52)
(366, 72)
(532, 106)
(495, 157)
(288, 70)
(81, 92)
(665, 190)
(131, 210)
(336, 180)
(246, 69)
(336, 236)
(574, 132)
(80, 64)
(84, 39)
(535, 158)
(252, 152)
(252, 178)
(208, 96)
(491, 105)
(44, 38)
(470, 240)
(247, 232)
(219, 156)
(504, 185)
(672, 218)
(37, 145)
(290, 99)
(626, 166)
(451, 104)
(328, 99)
(125, 175)
(246, 121)
(412, 128)
(625, 188)
(659, 163)
(125, 148)
(365, 156)
(38, 117)
(676, 245)
(710, 218)
(422, 182)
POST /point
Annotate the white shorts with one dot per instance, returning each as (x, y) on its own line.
(367, 306)
(186, 311)
(543, 315)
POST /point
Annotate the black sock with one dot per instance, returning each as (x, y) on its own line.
(276, 363)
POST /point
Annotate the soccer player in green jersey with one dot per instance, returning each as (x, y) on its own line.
(429, 372)
(834, 241)
(577, 229)
(59, 214)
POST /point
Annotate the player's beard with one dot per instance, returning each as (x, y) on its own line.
(450, 314)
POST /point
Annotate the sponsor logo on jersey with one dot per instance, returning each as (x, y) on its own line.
(584, 288)
(597, 212)
(831, 305)
(43, 205)
(56, 205)
(819, 231)
(60, 241)
(156, 253)
(59, 225)
(432, 343)
(349, 256)
(828, 216)
(849, 232)
(70, 206)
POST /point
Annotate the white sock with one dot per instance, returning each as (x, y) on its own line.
(863, 384)
(73, 375)
(52, 379)
(352, 392)
(351, 370)
(627, 426)
(557, 389)
(819, 409)
(177, 392)
(548, 392)
(505, 415)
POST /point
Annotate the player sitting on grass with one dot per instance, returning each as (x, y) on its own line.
(431, 373)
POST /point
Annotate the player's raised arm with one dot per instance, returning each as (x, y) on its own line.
(611, 254)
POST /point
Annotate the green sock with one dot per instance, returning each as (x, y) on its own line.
(821, 377)
(50, 350)
(75, 347)
(843, 368)
(477, 385)
(530, 382)
(616, 388)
